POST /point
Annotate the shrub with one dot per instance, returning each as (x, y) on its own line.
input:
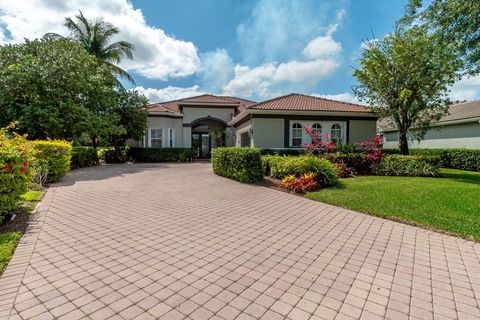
(83, 157)
(16, 154)
(53, 157)
(111, 155)
(304, 183)
(324, 170)
(463, 159)
(161, 154)
(358, 162)
(282, 152)
(344, 171)
(239, 163)
(399, 165)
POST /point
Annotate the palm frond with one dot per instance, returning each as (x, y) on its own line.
(121, 73)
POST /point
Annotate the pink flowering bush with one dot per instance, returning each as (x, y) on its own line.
(371, 149)
(317, 144)
(15, 173)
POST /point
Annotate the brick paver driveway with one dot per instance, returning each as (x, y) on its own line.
(174, 241)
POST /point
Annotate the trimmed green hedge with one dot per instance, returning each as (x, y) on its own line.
(83, 157)
(463, 159)
(161, 154)
(415, 166)
(243, 164)
(279, 167)
(53, 157)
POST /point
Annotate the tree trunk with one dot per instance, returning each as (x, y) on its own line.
(94, 147)
(403, 142)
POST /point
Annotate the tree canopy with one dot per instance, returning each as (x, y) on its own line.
(406, 77)
(456, 22)
(56, 89)
(49, 86)
(95, 36)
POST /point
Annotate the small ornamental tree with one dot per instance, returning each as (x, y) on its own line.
(372, 148)
(406, 78)
(16, 154)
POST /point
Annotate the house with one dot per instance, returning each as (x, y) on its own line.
(207, 121)
(460, 128)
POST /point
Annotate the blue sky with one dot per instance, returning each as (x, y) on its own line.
(254, 49)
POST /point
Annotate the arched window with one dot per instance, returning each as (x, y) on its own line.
(318, 128)
(297, 134)
(336, 133)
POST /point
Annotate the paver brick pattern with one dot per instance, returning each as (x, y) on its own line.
(174, 241)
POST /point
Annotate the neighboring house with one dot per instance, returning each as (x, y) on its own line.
(460, 128)
(207, 121)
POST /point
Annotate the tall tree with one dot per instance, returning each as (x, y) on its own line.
(51, 87)
(456, 22)
(95, 36)
(406, 77)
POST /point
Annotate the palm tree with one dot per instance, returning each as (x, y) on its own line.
(94, 36)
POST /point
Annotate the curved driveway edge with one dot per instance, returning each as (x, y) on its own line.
(174, 241)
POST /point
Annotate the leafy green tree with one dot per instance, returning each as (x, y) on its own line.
(95, 36)
(406, 77)
(456, 22)
(52, 87)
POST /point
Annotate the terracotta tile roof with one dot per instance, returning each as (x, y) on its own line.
(174, 105)
(301, 102)
(459, 111)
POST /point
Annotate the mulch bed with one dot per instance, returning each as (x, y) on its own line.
(20, 223)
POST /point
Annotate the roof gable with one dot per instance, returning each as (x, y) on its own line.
(174, 106)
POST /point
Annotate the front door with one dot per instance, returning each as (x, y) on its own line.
(202, 144)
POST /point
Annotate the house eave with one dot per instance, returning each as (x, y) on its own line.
(439, 124)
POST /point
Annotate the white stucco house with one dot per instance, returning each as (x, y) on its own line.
(207, 121)
(460, 128)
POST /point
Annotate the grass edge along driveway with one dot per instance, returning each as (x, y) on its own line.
(450, 203)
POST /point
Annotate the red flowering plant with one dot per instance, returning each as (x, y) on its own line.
(304, 183)
(15, 173)
(372, 149)
(316, 142)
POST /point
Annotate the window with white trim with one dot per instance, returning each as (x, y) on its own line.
(171, 138)
(156, 137)
(318, 128)
(297, 134)
(336, 133)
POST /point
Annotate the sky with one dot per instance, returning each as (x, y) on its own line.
(254, 49)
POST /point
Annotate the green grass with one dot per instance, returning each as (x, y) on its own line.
(32, 195)
(450, 203)
(8, 242)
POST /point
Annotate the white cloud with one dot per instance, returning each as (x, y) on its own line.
(467, 88)
(345, 96)
(322, 46)
(310, 71)
(157, 55)
(268, 79)
(169, 93)
(216, 69)
(277, 30)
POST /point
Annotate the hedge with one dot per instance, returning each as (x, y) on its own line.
(463, 159)
(324, 170)
(243, 164)
(415, 166)
(53, 158)
(16, 154)
(83, 157)
(161, 154)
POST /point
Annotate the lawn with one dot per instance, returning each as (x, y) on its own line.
(450, 203)
(8, 242)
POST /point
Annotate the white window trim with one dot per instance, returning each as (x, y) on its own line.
(150, 136)
(171, 136)
(291, 134)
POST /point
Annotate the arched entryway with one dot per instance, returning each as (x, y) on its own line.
(208, 133)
